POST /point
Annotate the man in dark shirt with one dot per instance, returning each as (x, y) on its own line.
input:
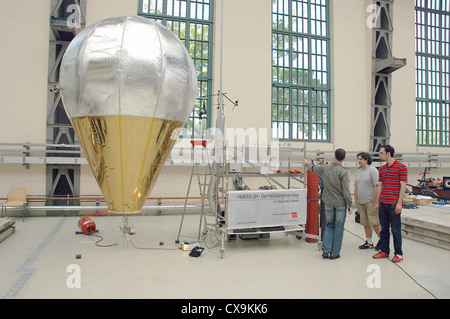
(337, 198)
(391, 189)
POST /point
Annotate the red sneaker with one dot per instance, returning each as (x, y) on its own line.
(380, 255)
(397, 258)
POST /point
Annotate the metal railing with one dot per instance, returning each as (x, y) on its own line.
(35, 153)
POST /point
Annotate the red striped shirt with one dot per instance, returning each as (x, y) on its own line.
(390, 177)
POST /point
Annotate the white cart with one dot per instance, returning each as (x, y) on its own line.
(257, 212)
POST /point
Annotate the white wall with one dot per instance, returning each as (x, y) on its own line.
(100, 9)
(246, 70)
(24, 38)
(403, 113)
(351, 75)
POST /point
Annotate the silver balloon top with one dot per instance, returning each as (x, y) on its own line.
(128, 66)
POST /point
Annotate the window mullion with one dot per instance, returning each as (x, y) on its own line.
(164, 11)
(310, 57)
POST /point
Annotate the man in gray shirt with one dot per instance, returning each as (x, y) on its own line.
(337, 198)
(366, 188)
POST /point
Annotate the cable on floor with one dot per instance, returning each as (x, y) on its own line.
(396, 264)
(101, 238)
(152, 248)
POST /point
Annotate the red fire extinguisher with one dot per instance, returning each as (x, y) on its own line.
(86, 225)
(312, 217)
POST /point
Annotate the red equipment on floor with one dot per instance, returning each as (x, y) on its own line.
(86, 225)
(312, 215)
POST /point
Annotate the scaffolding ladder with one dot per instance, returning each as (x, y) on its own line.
(203, 175)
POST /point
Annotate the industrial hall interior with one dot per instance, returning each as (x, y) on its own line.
(225, 149)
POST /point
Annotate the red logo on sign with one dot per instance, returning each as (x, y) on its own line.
(294, 215)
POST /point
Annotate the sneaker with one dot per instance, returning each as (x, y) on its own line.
(380, 255)
(325, 255)
(334, 257)
(366, 245)
(397, 258)
(378, 246)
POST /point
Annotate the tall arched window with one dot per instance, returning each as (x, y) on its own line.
(300, 70)
(433, 72)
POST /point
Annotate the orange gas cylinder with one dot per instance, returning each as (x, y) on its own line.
(312, 215)
(86, 225)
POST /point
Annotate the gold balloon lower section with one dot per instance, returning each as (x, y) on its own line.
(126, 154)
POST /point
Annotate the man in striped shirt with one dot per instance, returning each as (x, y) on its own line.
(391, 189)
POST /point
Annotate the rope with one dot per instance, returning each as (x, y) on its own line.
(151, 248)
(101, 238)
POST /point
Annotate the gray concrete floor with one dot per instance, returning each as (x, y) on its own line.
(39, 261)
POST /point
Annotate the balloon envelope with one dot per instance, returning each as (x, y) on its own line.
(127, 84)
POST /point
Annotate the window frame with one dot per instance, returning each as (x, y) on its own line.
(432, 67)
(290, 89)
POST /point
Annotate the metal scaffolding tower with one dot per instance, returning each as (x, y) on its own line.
(67, 18)
(383, 64)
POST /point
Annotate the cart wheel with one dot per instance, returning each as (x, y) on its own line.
(298, 237)
(319, 246)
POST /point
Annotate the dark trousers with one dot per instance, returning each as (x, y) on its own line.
(389, 220)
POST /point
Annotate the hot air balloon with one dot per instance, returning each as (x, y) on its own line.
(127, 84)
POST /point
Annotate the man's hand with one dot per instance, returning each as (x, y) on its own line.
(398, 208)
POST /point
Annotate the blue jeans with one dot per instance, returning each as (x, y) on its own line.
(389, 219)
(334, 229)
